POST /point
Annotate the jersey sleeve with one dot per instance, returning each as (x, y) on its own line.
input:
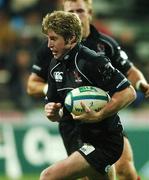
(42, 61)
(122, 63)
(111, 79)
(118, 57)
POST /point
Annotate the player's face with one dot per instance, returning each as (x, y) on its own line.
(57, 44)
(79, 7)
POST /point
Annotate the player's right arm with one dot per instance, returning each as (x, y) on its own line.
(52, 103)
(52, 111)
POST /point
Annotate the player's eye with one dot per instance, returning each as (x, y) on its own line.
(77, 11)
(80, 10)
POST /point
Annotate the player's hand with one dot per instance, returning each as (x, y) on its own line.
(89, 116)
(52, 111)
(145, 89)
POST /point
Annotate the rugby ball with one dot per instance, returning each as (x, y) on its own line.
(93, 97)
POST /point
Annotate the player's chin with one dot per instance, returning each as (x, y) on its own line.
(53, 119)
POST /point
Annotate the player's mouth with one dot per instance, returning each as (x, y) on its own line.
(55, 54)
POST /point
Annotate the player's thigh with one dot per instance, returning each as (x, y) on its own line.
(70, 135)
(73, 167)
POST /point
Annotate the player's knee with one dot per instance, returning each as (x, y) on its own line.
(46, 174)
(122, 166)
(126, 169)
(54, 172)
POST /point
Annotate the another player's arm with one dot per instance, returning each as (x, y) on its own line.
(36, 86)
(134, 75)
(138, 80)
(123, 63)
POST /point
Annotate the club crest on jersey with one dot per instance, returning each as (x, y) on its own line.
(100, 48)
(77, 77)
(58, 76)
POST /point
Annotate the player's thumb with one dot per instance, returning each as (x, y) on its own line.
(58, 105)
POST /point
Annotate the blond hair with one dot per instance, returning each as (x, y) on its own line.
(63, 23)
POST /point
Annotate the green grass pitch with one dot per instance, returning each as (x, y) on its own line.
(36, 177)
(25, 177)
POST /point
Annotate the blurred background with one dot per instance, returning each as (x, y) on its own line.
(28, 141)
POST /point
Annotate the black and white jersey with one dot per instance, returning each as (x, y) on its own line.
(100, 42)
(96, 41)
(82, 67)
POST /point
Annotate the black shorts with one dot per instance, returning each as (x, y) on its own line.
(71, 136)
(104, 153)
(100, 154)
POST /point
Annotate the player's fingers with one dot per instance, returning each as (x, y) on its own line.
(58, 105)
(77, 117)
(84, 107)
(48, 108)
(73, 116)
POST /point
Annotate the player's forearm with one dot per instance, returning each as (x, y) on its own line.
(36, 85)
(135, 76)
(118, 101)
(36, 88)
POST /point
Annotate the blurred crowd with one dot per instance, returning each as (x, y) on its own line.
(20, 37)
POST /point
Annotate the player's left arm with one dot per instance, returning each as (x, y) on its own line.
(138, 80)
(122, 92)
(118, 101)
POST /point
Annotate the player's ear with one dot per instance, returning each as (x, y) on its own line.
(90, 12)
(72, 40)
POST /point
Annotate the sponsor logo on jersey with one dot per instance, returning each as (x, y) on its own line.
(58, 76)
(87, 148)
(100, 48)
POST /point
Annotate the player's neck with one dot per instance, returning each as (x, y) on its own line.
(86, 33)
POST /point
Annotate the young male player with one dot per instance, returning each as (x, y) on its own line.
(37, 84)
(99, 133)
